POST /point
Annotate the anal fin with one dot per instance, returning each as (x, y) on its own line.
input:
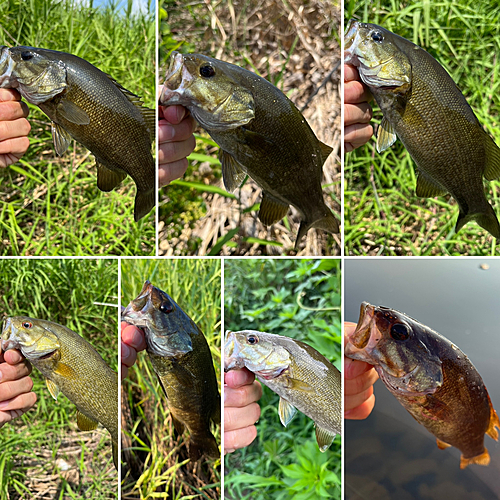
(271, 209)
(427, 188)
(442, 445)
(108, 179)
(85, 423)
(324, 438)
(144, 202)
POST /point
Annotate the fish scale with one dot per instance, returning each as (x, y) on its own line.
(423, 106)
(261, 133)
(430, 376)
(299, 374)
(72, 366)
(94, 109)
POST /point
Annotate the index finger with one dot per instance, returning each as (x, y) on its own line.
(133, 336)
(238, 378)
(9, 95)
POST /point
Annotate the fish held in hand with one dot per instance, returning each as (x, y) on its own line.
(424, 108)
(261, 134)
(430, 376)
(88, 105)
(181, 358)
(302, 377)
(70, 365)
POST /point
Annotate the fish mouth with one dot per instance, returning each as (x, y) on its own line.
(350, 34)
(6, 67)
(362, 334)
(231, 359)
(177, 80)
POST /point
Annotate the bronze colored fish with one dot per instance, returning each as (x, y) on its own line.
(430, 376)
(261, 133)
(302, 377)
(424, 108)
(70, 365)
(88, 105)
(181, 358)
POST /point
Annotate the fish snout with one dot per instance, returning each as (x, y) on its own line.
(6, 67)
(177, 80)
(349, 40)
(231, 358)
(8, 336)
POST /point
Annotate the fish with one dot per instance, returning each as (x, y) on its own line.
(84, 103)
(70, 366)
(181, 359)
(430, 376)
(260, 133)
(423, 106)
(303, 378)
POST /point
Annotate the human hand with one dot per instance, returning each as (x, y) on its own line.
(176, 142)
(16, 397)
(357, 111)
(14, 128)
(241, 412)
(359, 378)
(133, 341)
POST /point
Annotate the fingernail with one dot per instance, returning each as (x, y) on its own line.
(168, 133)
(180, 113)
(1, 375)
(4, 404)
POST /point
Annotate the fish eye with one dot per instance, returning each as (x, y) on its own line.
(27, 324)
(377, 36)
(26, 55)
(166, 308)
(253, 339)
(207, 71)
(400, 332)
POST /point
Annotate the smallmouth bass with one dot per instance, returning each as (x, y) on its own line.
(430, 376)
(302, 377)
(423, 106)
(88, 105)
(70, 365)
(260, 132)
(181, 358)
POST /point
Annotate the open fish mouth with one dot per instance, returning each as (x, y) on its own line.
(349, 36)
(6, 66)
(177, 80)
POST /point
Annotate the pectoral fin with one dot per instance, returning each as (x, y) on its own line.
(286, 411)
(53, 389)
(427, 188)
(232, 172)
(324, 438)
(85, 423)
(271, 209)
(108, 179)
(442, 445)
(73, 113)
(386, 136)
(61, 139)
(64, 370)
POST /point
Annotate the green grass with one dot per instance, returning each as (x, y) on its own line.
(51, 205)
(158, 458)
(70, 292)
(298, 299)
(383, 216)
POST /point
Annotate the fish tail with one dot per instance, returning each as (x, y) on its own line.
(487, 219)
(327, 223)
(144, 202)
(483, 459)
(203, 445)
(494, 422)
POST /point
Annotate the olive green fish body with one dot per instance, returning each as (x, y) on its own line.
(423, 106)
(430, 376)
(71, 366)
(302, 377)
(97, 112)
(261, 133)
(181, 358)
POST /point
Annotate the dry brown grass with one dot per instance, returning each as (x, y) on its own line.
(264, 32)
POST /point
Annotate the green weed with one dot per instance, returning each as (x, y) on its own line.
(298, 299)
(159, 458)
(383, 216)
(82, 295)
(51, 205)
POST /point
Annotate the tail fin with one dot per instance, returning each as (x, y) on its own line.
(327, 223)
(206, 445)
(486, 219)
(483, 459)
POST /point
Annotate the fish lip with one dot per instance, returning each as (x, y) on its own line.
(361, 336)
(231, 359)
(350, 35)
(177, 80)
(6, 67)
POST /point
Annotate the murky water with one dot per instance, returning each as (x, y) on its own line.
(389, 455)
